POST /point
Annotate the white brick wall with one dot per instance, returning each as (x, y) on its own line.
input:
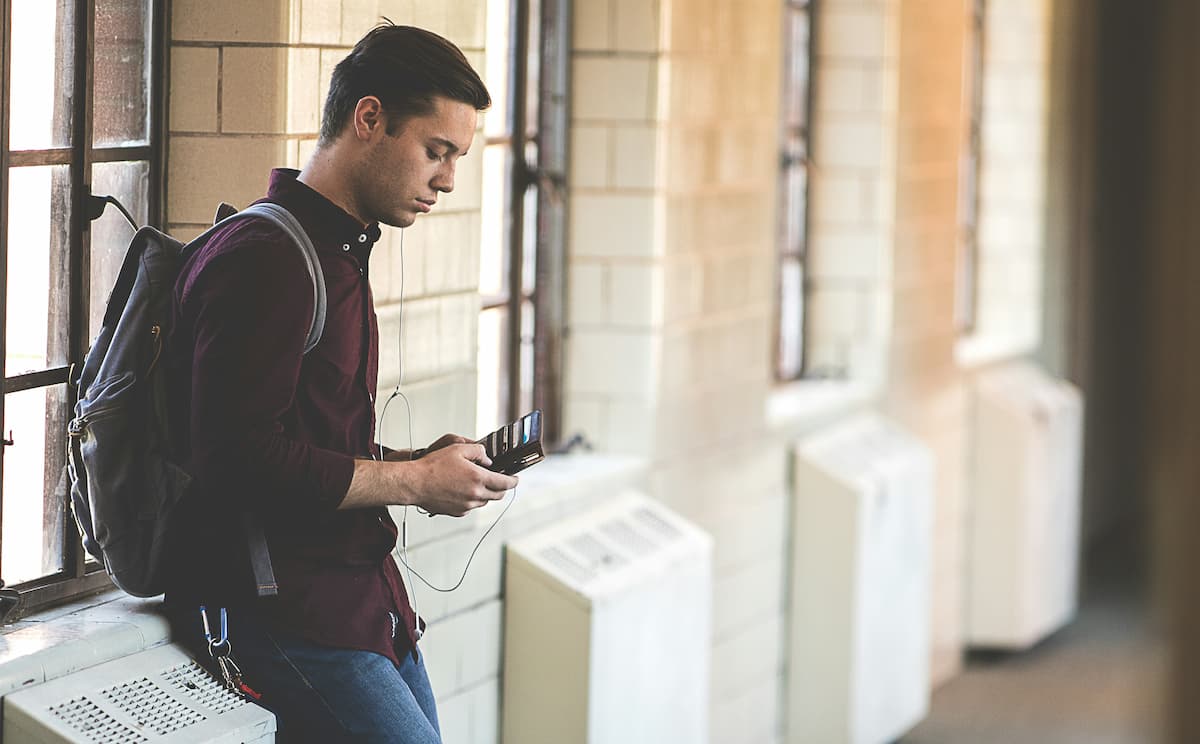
(1012, 189)
(670, 273)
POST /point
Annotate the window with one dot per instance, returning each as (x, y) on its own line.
(520, 272)
(967, 286)
(82, 96)
(793, 190)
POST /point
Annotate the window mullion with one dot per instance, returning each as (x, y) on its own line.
(518, 90)
(5, 77)
(78, 284)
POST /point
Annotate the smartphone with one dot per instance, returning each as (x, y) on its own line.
(517, 445)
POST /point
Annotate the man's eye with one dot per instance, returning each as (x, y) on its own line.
(432, 155)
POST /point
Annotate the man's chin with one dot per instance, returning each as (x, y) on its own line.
(404, 219)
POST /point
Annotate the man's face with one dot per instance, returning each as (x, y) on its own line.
(405, 171)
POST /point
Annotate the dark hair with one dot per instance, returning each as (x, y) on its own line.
(404, 67)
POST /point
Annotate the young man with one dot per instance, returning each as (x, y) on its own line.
(288, 437)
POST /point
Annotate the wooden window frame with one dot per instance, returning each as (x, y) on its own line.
(79, 575)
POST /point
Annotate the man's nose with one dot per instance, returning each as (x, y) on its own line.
(443, 180)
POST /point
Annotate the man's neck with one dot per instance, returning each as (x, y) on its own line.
(323, 175)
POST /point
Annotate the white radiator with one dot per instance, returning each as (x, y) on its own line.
(860, 593)
(159, 695)
(607, 629)
(1023, 539)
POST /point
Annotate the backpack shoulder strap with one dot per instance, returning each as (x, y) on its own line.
(290, 225)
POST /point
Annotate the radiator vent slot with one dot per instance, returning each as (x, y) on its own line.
(87, 718)
(192, 680)
(160, 694)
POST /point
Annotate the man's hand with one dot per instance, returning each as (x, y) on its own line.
(453, 477)
(404, 455)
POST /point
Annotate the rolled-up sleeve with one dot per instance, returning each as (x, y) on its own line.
(250, 308)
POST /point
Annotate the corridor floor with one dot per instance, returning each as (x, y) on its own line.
(1094, 682)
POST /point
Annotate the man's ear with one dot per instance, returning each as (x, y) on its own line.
(369, 118)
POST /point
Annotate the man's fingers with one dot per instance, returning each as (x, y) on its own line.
(499, 483)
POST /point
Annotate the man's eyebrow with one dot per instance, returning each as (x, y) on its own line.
(450, 146)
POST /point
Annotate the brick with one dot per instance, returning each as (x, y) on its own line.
(846, 253)
(851, 33)
(636, 26)
(457, 324)
(635, 154)
(850, 142)
(842, 87)
(613, 89)
(207, 170)
(269, 90)
(636, 295)
(431, 16)
(231, 20)
(592, 25)
(466, 23)
(587, 294)
(194, 79)
(613, 225)
(590, 156)
(320, 22)
(358, 17)
(612, 362)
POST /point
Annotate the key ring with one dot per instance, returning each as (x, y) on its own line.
(215, 649)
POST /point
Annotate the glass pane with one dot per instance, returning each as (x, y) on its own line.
(33, 514)
(42, 74)
(796, 206)
(490, 403)
(496, 71)
(527, 371)
(533, 69)
(121, 72)
(791, 319)
(493, 262)
(38, 244)
(797, 73)
(129, 182)
(529, 243)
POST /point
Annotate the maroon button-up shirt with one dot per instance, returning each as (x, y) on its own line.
(276, 431)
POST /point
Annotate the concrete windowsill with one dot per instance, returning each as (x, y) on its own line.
(76, 636)
(981, 350)
(803, 405)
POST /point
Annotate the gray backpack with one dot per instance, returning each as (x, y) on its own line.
(124, 486)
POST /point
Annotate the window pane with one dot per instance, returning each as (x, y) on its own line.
(42, 74)
(33, 514)
(129, 182)
(797, 73)
(533, 69)
(490, 398)
(496, 67)
(791, 319)
(493, 258)
(38, 229)
(529, 242)
(795, 209)
(121, 64)
(526, 351)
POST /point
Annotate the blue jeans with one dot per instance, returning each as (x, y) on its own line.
(319, 693)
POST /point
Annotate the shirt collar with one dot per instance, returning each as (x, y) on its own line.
(331, 227)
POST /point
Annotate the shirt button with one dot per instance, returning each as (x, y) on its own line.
(362, 238)
(345, 246)
(361, 272)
